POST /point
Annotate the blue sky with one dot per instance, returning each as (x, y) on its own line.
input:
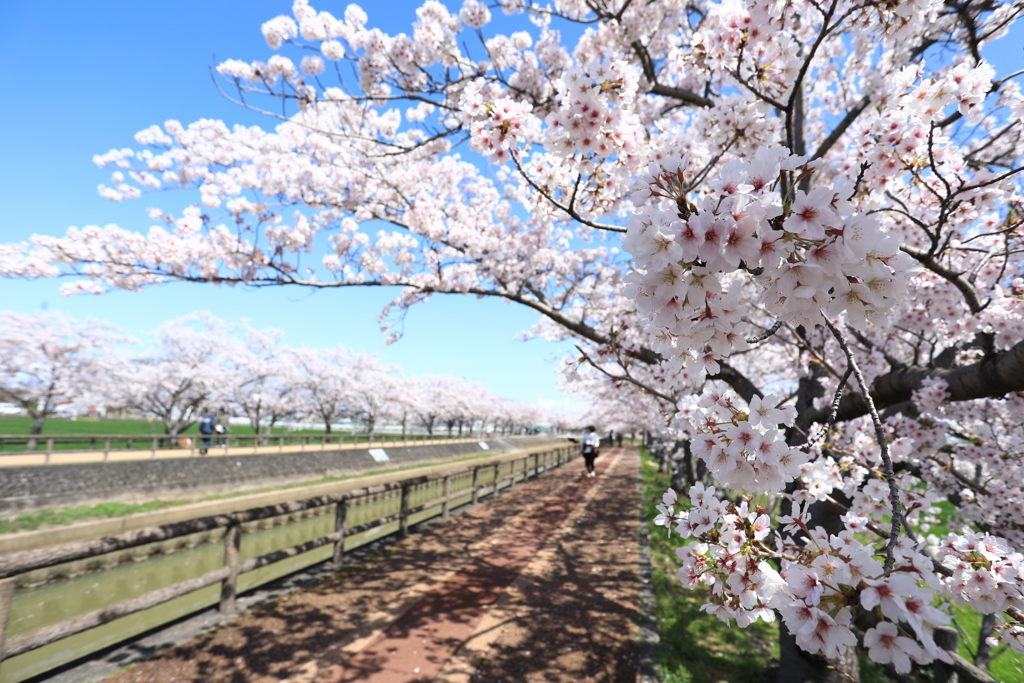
(80, 78)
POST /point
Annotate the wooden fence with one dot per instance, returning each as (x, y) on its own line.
(18, 563)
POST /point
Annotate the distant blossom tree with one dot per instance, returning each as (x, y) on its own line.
(47, 359)
(796, 224)
(186, 373)
(262, 378)
(374, 391)
(325, 383)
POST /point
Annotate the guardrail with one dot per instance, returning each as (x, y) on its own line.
(19, 563)
(25, 444)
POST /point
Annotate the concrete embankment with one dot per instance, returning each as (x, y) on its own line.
(34, 487)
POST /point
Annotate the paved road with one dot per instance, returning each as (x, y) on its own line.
(540, 584)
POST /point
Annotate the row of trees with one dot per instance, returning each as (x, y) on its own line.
(200, 363)
(793, 225)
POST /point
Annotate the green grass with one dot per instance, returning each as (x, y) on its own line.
(1006, 666)
(51, 517)
(92, 425)
(694, 647)
(70, 515)
(87, 426)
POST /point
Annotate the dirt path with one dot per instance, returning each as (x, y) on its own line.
(539, 584)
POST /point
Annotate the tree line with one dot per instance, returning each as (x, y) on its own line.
(50, 362)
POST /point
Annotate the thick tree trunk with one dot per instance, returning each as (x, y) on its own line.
(797, 666)
(37, 424)
(34, 430)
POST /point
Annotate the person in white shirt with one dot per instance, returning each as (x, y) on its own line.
(589, 449)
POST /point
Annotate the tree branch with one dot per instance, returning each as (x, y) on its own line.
(992, 377)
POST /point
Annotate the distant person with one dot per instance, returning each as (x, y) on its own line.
(618, 439)
(222, 427)
(589, 449)
(207, 427)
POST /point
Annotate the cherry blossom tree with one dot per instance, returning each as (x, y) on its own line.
(186, 373)
(373, 392)
(453, 399)
(793, 224)
(325, 383)
(263, 378)
(405, 398)
(515, 417)
(49, 358)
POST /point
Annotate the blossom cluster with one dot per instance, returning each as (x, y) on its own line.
(823, 582)
(744, 449)
(815, 253)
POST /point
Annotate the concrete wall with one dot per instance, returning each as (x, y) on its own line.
(33, 487)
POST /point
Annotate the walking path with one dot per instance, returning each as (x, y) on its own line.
(540, 584)
(191, 447)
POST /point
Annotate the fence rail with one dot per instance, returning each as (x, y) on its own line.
(48, 444)
(19, 563)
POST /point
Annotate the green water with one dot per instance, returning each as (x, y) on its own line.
(49, 596)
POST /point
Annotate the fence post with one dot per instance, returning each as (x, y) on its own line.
(340, 525)
(323, 442)
(49, 450)
(106, 449)
(526, 469)
(497, 469)
(152, 453)
(476, 485)
(403, 515)
(446, 505)
(6, 594)
(232, 543)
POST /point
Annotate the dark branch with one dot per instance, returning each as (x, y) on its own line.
(992, 377)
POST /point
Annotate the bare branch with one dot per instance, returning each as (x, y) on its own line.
(890, 475)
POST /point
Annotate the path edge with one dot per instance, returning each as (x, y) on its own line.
(648, 613)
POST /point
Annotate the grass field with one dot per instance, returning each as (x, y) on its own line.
(86, 426)
(90, 425)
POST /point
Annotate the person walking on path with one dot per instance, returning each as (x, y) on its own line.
(222, 427)
(618, 439)
(588, 448)
(207, 426)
